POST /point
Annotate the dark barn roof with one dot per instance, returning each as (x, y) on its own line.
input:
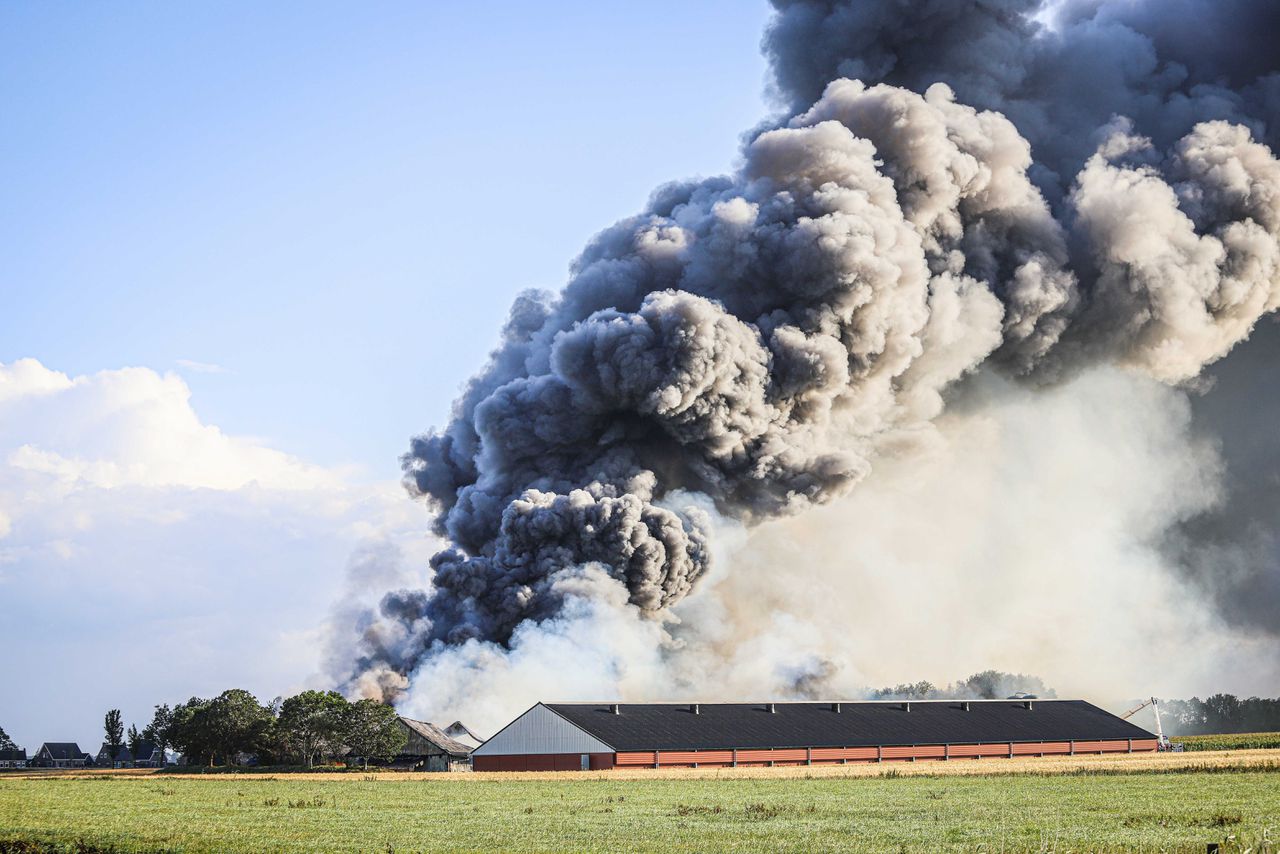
(674, 726)
(11, 755)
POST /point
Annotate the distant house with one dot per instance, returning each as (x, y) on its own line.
(16, 758)
(149, 756)
(59, 754)
(104, 759)
(428, 748)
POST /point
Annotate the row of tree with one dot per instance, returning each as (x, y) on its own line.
(1220, 713)
(987, 685)
(234, 727)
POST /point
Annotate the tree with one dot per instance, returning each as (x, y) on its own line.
(160, 730)
(189, 731)
(373, 731)
(135, 742)
(238, 723)
(312, 723)
(114, 727)
(6, 743)
(224, 727)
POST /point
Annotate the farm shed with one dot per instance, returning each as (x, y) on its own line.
(428, 748)
(581, 736)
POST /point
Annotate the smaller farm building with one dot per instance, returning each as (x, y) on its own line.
(428, 748)
(582, 736)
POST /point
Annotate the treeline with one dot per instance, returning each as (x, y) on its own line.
(1221, 713)
(987, 685)
(234, 728)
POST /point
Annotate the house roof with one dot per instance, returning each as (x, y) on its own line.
(10, 755)
(62, 750)
(436, 736)
(674, 726)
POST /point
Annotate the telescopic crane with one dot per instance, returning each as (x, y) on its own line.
(1162, 740)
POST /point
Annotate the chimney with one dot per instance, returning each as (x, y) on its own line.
(835, 707)
(693, 707)
(965, 705)
(906, 706)
(773, 710)
(616, 709)
(1028, 704)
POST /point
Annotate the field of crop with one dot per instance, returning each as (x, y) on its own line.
(1104, 803)
(1234, 741)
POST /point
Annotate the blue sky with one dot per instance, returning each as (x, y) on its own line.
(335, 203)
(248, 249)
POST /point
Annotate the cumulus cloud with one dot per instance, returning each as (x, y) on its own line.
(154, 555)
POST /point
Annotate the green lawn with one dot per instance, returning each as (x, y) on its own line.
(1122, 812)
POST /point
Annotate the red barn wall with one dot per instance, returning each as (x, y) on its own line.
(804, 756)
(541, 762)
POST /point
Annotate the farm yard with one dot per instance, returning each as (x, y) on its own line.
(1159, 802)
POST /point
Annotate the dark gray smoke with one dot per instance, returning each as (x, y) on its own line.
(989, 192)
(1059, 71)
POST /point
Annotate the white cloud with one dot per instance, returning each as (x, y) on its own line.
(131, 427)
(149, 556)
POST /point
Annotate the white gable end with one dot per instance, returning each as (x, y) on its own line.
(541, 730)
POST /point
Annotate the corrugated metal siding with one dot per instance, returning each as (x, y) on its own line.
(1100, 746)
(978, 750)
(541, 731)
(635, 758)
(844, 754)
(1037, 747)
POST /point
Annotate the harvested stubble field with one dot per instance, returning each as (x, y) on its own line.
(1169, 802)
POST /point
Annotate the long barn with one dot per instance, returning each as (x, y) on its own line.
(582, 736)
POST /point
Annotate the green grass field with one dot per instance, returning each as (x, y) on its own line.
(1234, 741)
(1164, 811)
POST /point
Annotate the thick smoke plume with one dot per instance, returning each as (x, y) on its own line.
(959, 190)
